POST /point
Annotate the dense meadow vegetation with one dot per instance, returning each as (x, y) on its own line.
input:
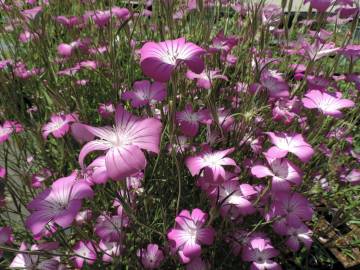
(172, 134)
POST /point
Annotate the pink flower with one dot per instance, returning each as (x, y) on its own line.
(28, 261)
(97, 171)
(189, 233)
(233, 198)
(83, 217)
(109, 228)
(275, 84)
(326, 103)
(260, 253)
(319, 5)
(123, 143)
(197, 264)
(212, 161)
(220, 43)
(145, 93)
(283, 172)
(87, 252)
(353, 177)
(189, 120)
(205, 78)
(111, 250)
(286, 110)
(2, 172)
(58, 125)
(151, 257)
(106, 110)
(293, 143)
(6, 237)
(297, 235)
(38, 179)
(68, 21)
(59, 204)
(5, 131)
(293, 207)
(66, 50)
(158, 60)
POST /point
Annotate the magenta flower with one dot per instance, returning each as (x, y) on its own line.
(190, 233)
(123, 143)
(38, 179)
(111, 250)
(197, 264)
(96, 171)
(275, 84)
(151, 257)
(353, 177)
(212, 161)
(319, 5)
(2, 172)
(293, 143)
(326, 103)
(59, 204)
(260, 253)
(86, 252)
(351, 52)
(6, 237)
(293, 207)
(83, 217)
(58, 125)
(145, 93)
(68, 21)
(283, 172)
(205, 79)
(28, 261)
(158, 60)
(223, 44)
(106, 110)
(5, 131)
(298, 235)
(286, 110)
(109, 228)
(189, 120)
(234, 199)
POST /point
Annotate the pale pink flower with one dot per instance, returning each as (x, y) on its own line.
(109, 228)
(58, 125)
(6, 237)
(86, 252)
(2, 172)
(275, 84)
(284, 173)
(28, 261)
(298, 235)
(326, 103)
(151, 257)
(106, 110)
(158, 60)
(123, 143)
(292, 207)
(205, 79)
(59, 204)
(289, 142)
(189, 120)
(319, 5)
(197, 264)
(83, 217)
(211, 161)
(68, 21)
(353, 177)
(145, 93)
(233, 198)
(97, 172)
(223, 44)
(111, 250)
(260, 253)
(189, 233)
(5, 131)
